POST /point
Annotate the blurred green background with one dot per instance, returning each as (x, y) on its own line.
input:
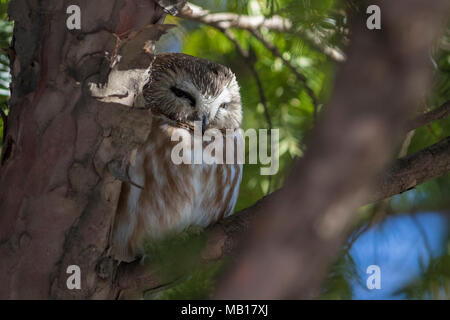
(407, 235)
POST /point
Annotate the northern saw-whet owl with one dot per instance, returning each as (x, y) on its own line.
(163, 196)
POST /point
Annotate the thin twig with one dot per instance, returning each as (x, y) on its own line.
(300, 77)
(227, 20)
(433, 115)
(355, 236)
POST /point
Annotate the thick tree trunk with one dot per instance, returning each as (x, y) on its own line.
(57, 195)
(70, 137)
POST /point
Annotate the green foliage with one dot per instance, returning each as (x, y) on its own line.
(337, 283)
(291, 109)
(4, 9)
(199, 284)
(434, 281)
(288, 103)
(5, 78)
(432, 195)
(175, 254)
(429, 196)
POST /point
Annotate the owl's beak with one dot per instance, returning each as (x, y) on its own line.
(205, 122)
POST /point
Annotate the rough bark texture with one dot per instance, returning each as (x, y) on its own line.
(57, 195)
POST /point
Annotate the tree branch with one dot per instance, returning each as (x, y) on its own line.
(286, 255)
(224, 237)
(4, 120)
(433, 115)
(413, 170)
(317, 247)
(251, 23)
(251, 64)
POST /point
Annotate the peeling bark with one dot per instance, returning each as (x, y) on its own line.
(57, 194)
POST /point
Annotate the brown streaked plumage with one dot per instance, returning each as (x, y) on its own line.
(163, 196)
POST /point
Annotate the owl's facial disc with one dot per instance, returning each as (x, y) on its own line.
(211, 111)
(191, 101)
(186, 89)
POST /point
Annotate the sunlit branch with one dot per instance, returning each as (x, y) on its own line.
(275, 23)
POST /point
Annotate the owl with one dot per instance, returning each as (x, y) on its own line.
(161, 196)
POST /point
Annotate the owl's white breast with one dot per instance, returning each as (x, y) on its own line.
(173, 197)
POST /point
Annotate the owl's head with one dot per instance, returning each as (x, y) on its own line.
(185, 89)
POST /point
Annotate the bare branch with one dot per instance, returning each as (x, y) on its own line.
(275, 23)
(403, 175)
(228, 20)
(413, 170)
(433, 115)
